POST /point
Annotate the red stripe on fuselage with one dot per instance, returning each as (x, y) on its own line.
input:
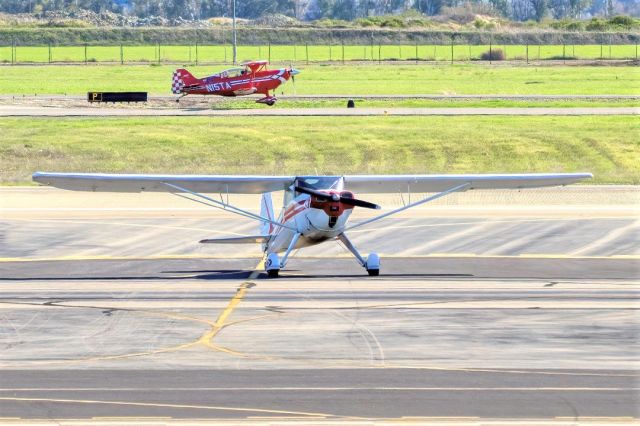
(294, 210)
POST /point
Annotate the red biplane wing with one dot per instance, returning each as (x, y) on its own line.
(254, 66)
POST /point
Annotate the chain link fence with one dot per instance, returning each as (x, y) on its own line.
(311, 53)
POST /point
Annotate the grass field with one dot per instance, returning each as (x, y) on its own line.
(608, 146)
(304, 53)
(339, 79)
(249, 103)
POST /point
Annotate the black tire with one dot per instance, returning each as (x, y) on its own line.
(271, 103)
(273, 273)
(373, 272)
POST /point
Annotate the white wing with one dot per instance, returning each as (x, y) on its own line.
(436, 183)
(139, 183)
(261, 184)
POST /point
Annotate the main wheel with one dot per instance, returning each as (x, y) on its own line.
(273, 273)
(271, 103)
(373, 265)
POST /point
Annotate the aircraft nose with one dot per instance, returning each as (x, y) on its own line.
(294, 71)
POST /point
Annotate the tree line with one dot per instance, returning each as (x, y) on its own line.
(517, 10)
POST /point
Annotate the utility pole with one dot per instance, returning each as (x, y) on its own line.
(235, 59)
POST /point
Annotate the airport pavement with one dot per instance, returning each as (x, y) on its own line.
(575, 221)
(313, 395)
(99, 111)
(491, 306)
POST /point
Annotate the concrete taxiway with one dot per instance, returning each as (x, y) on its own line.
(97, 111)
(492, 306)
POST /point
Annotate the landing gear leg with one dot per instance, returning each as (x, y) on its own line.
(268, 99)
(371, 263)
(292, 245)
(274, 263)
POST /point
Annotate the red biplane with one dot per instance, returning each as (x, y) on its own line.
(251, 77)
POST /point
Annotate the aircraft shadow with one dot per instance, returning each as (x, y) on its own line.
(226, 275)
(203, 275)
(283, 275)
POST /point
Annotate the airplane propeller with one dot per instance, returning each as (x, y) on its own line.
(293, 72)
(335, 197)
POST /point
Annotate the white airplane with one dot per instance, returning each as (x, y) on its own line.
(315, 208)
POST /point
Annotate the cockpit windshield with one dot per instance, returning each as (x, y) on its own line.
(314, 182)
(320, 182)
(233, 72)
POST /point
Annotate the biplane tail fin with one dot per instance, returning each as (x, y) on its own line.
(181, 79)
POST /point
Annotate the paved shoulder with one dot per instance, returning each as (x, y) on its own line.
(96, 111)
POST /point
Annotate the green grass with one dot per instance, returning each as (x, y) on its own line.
(313, 53)
(249, 103)
(339, 79)
(608, 146)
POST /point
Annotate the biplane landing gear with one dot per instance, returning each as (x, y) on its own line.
(269, 100)
(371, 263)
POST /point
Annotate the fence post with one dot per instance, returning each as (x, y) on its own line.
(225, 53)
(306, 49)
(189, 53)
(609, 47)
(527, 52)
(400, 51)
(13, 51)
(379, 53)
(295, 56)
(330, 59)
(269, 51)
(121, 55)
(416, 52)
(564, 57)
(196, 53)
(49, 52)
(85, 53)
(601, 51)
(452, 36)
(372, 47)
(159, 54)
(342, 52)
(636, 50)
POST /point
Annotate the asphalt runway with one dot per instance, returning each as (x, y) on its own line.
(98, 111)
(492, 306)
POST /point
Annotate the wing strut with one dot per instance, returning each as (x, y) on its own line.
(461, 187)
(226, 206)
